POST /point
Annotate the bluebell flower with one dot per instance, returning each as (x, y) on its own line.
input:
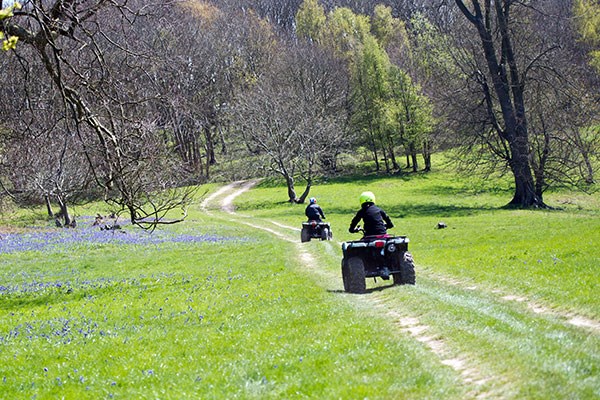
(87, 234)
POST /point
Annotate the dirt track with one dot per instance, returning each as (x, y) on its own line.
(225, 196)
(482, 383)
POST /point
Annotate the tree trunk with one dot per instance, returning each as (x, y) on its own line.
(509, 91)
(304, 195)
(375, 155)
(415, 162)
(48, 206)
(289, 180)
(63, 214)
(210, 146)
(413, 156)
(386, 160)
(427, 155)
(392, 154)
(525, 193)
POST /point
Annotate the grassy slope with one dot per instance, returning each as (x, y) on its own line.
(247, 319)
(228, 320)
(546, 259)
(549, 255)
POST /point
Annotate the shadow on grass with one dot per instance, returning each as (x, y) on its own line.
(368, 291)
(370, 178)
(435, 195)
(421, 210)
(395, 211)
(366, 178)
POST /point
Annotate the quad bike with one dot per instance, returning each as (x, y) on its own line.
(315, 230)
(376, 256)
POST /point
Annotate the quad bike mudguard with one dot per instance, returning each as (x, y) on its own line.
(315, 230)
(376, 256)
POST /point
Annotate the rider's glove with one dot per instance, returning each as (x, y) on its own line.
(389, 226)
(352, 230)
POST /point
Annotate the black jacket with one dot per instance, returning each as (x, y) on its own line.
(376, 221)
(313, 212)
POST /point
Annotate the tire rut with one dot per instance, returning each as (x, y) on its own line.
(406, 325)
(573, 319)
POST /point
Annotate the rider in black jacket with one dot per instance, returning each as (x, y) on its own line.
(313, 211)
(376, 221)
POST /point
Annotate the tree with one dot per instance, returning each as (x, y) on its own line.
(412, 117)
(503, 87)
(588, 23)
(525, 95)
(387, 109)
(370, 87)
(199, 47)
(41, 159)
(293, 116)
(5, 13)
(97, 59)
(310, 21)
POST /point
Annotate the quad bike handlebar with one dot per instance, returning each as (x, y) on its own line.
(362, 230)
(358, 229)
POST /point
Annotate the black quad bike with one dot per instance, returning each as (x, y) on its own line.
(376, 256)
(315, 230)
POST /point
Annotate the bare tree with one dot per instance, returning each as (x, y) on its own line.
(212, 51)
(503, 87)
(97, 54)
(525, 82)
(295, 115)
(41, 159)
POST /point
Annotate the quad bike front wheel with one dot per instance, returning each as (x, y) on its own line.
(353, 275)
(406, 276)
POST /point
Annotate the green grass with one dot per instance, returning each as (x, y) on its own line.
(546, 259)
(247, 318)
(227, 320)
(550, 255)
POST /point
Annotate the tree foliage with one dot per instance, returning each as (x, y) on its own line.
(310, 21)
(376, 94)
(122, 99)
(9, 42)
(588, 21)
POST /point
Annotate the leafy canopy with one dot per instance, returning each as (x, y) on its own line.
(10, 42)
(588, 17)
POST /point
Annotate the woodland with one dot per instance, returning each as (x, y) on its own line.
(138, 103)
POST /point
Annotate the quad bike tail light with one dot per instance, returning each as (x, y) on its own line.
(379, 244)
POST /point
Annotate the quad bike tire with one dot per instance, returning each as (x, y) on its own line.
(325, 234)
(353, 275)
(305, 235)
(406, 276)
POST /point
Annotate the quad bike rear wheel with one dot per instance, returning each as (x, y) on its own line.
(406, 276)
(305, 235)
(325, 233)
(353, 275)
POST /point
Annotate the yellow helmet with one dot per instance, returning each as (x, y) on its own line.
(366, 197)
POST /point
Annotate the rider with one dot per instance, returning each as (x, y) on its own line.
(313, 211)
(374, 218)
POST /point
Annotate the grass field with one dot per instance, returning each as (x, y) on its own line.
(234, 306)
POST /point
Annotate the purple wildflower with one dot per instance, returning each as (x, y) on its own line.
(37, 240)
